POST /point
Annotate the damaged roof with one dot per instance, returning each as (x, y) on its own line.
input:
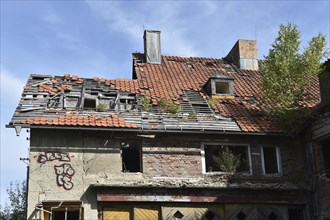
(145, 102)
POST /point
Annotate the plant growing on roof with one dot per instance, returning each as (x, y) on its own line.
(227, 161)
(101, 107)
(211, 102)
(167, 106)
(145, 103)
(287, 72)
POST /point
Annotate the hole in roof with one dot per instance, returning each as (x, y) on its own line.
(89, 103)
(178, 215)
(241, 216)
(210, 64)
(38, 77)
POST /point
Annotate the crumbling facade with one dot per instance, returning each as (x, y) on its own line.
(186, 138)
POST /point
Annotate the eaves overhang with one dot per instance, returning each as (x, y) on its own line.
(149, 131)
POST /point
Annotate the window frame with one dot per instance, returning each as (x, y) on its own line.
(140, 150)
(222, 80)
(278, 160)
(250, 172)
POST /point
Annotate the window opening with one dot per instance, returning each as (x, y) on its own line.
(240, 216)
(178, 215)
(210, 216)
(295, 213)
(89, 103)
(65, 215)
(270, 160)
(272, 216)
(222, 88)
(131, 157)
(326, 156)
(226, 158)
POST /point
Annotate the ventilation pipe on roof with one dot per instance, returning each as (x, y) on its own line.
(152, 46)
(244, 54)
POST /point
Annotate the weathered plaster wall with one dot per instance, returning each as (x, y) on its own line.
(64, 163)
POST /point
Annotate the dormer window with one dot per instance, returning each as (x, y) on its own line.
(220, 85)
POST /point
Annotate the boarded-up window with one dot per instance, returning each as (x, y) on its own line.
(116, 213)
(146, 212)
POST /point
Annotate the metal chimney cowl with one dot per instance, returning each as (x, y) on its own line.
(152, 50)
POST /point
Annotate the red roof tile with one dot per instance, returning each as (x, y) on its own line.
(71, 120)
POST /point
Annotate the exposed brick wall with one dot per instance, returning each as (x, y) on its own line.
(167, 159)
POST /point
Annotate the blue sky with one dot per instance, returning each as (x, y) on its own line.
(97, 38)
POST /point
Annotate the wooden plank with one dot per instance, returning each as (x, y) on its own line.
(116, 213)
(146, 213)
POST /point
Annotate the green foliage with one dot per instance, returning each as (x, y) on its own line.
(192, 116)
(101, 107)
(17, 202)
(146, 103)
(167, 106)
(211, 102)
(227, 161)
(286, 72)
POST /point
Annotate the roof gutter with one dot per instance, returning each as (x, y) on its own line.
(142, 130)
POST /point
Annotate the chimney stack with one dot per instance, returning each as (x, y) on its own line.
(244, 54)
(152, 46)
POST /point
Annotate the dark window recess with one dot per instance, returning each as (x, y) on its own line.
(89, 103)
(178, 215)
(222, 88)
(241, 216)
(65, 215)
(272, 216)
(270, 160)
(326, 156)
(131, 156)
(211, 216)
(226, 158)
(295, 213)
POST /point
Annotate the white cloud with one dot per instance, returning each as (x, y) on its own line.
(51, 18)
(11, 86)
(161, 16)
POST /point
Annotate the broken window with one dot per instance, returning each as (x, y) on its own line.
(62, 210)
(89, 103)
(65, 215)
(270, 160)
(131, 157)
(227, 158)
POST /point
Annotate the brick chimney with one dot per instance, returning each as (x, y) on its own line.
(152, 46)
(244, 54)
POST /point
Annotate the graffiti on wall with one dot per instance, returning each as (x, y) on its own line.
(51, 156)
(64, 174)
